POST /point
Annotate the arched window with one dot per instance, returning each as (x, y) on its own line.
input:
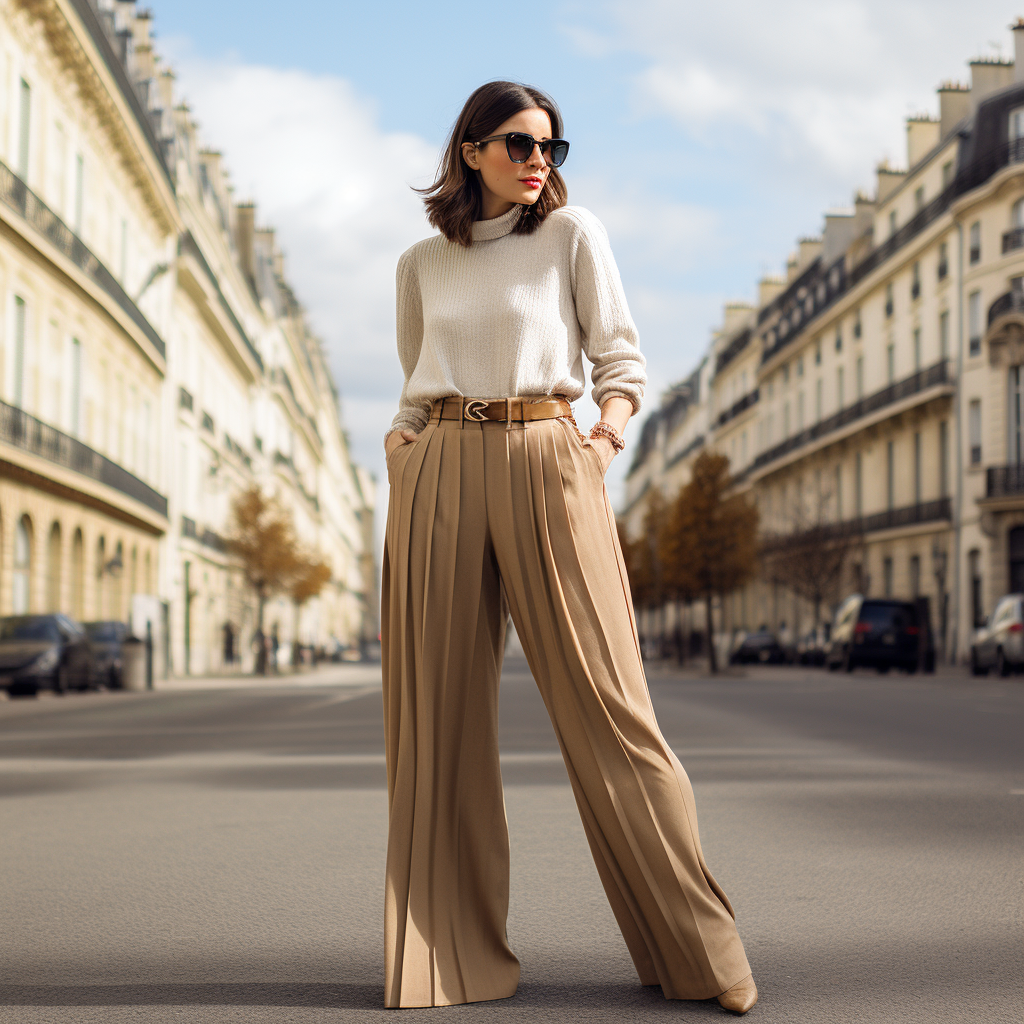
(53, 569)
(78, 575)
(22, 565)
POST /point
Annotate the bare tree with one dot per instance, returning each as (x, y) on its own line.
(809, 557)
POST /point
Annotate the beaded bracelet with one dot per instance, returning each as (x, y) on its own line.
(606, 430)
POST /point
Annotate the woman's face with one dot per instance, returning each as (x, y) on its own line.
(502, 180)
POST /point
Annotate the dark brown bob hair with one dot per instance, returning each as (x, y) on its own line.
(454, 200)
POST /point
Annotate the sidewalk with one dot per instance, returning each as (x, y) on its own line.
(331, 674)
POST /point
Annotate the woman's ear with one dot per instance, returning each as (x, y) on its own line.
(471, 155)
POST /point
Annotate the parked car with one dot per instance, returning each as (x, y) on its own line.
(999, 644)
(813, 647)
(761, 646)
(105, 640)
(881, 634)
(43, 652)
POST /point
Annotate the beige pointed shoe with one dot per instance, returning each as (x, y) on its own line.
(741, 997)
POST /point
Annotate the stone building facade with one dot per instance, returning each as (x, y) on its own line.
(879, 382)
(154, 360)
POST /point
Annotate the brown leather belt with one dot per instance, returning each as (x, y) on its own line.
(502, 410)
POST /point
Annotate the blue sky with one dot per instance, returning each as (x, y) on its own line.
(708, 138)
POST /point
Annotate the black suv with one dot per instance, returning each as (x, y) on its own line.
(881, 634)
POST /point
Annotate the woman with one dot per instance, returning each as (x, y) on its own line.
(498, 507)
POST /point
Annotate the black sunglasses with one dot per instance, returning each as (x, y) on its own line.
(519, 147)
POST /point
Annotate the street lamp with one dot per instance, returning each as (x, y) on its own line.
(939, 564)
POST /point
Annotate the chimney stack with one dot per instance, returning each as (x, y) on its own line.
(888, 181)
(245, 235)
(989, 75)
(1017, 28)
(954, 105)
(922, 137)
(768, 288)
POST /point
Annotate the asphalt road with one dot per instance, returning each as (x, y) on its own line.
(216, 856)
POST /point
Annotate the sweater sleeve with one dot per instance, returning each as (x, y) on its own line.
(409, 326)
(609, 335)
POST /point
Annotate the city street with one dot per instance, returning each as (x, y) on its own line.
(217, 855)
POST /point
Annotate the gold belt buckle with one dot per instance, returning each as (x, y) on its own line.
(474, 410)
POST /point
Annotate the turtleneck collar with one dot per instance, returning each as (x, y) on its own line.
(497, 227)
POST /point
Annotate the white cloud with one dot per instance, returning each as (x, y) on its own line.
(336, 187)
(822, 87)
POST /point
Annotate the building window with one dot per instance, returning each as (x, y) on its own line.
(785, 373)
(858, 485)
(944, 334)
(1016, 127)
(856, 326)
(915, 575)
(817, 354)
(839, 338)
(840, 396)
(19, 351)
(839, 493)
(24, 128)
(860, 377)
(918, 198)
(79, 193)
(915, 281)
(800, 411)
(947, 174)
(943, 260)
(53, 569)
(974, 430)
(818, 395)
(917, 349)
(974, 242)
(917, 468)
(1017, 214)
(887, 576)
(800, 366)
(785, 420)
(974, 323)
(22, 574)
(974, 570)
(76, 387)
(943, 458)
(892, 223)
(890, 475)
(888, 300)
(890, 362)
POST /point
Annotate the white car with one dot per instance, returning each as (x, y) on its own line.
(999, 644)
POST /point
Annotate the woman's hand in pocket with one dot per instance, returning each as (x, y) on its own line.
(396, 439)
(605, 451)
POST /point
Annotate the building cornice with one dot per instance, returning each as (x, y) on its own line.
(78, 47)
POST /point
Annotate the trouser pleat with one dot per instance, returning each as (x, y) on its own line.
(526, 519)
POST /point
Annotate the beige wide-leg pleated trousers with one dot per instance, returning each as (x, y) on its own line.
(486, 521)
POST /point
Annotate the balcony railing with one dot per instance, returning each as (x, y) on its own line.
(1003, 481)
(741, 405)
(1013, 240)
(17, 196)
(1009, 302)
(912, 385)
(908, 515)
(23, 431)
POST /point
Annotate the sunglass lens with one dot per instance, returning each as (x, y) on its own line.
(519, 147)
(558, 150)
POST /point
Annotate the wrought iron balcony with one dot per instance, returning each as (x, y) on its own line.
(912, 385)
(23, 431)
(1004, 481)
(1013, 240)
(17, 196)
(1009, 302)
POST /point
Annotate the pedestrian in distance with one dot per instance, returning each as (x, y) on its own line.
(498, 507)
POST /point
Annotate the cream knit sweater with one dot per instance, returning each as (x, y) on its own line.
(512, 315)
